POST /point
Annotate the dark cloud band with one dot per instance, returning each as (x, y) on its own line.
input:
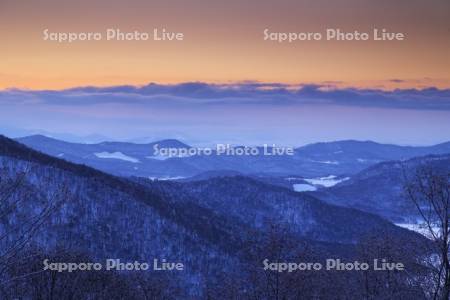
(242, 93)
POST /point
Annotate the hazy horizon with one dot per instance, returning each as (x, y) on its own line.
(248, 113)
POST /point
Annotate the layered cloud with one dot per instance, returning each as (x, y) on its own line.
(238, 94)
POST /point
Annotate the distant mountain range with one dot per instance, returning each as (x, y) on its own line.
(212, 209)
(362, 175)
(315, 160)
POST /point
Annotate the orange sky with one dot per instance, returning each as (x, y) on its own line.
(224, 42)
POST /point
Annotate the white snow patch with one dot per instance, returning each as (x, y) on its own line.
(328, 162)
(326, 181)
(61, 155)
(302, 187)
(116, 155)
(293, 178)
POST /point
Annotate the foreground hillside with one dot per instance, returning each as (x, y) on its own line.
(217, 226)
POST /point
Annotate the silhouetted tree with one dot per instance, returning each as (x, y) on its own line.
(429, 189)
